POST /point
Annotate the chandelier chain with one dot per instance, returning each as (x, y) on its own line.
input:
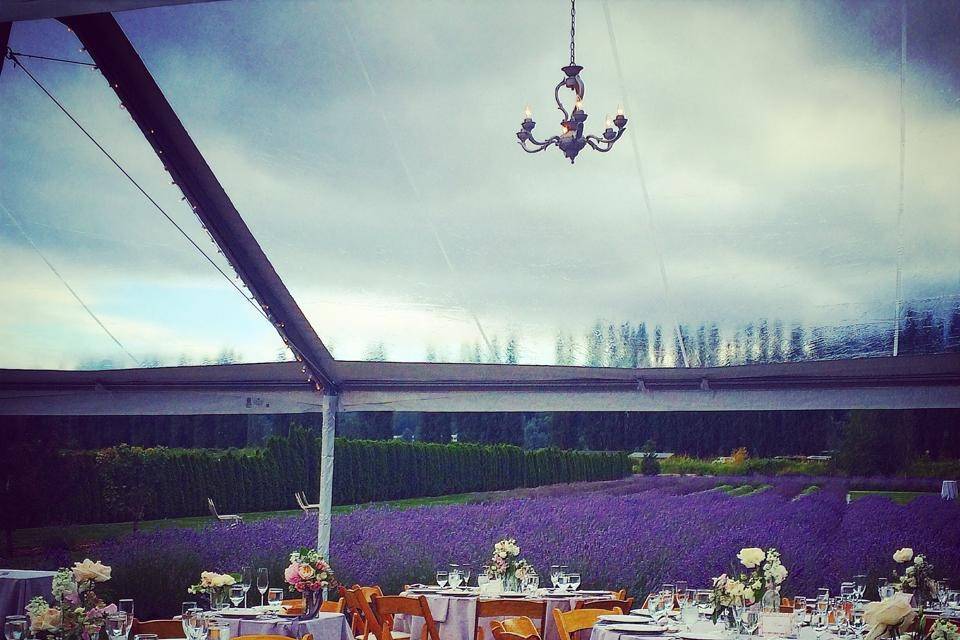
(573, 29)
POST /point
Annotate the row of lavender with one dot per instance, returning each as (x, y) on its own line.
(631, 533)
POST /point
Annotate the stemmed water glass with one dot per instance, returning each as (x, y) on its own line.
(442, 578)
(126, 606)
(465, 574)
(653, 604)
(15, 627)
(263, 583)
(274, 597)
(573, 580)
(823, 605)
(185, 608)
(563, 582)
(246, 581)
(454, 576)
(942, 592)
(554, 575)
(861, 581)
(237, 594)
(750, 620)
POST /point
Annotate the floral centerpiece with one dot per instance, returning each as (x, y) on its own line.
(917, 576)
(943, 629)
(506, 564)
(310, 574)
(216, 586)
(79, 613)
(761, 584)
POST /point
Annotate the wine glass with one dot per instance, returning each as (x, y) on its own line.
(15, 627)
(126, 605)
(263, 583)
(465, 571)
(117, 625)
(563, 582)
(237, 594)
(246, 581)
(943, 592)
(861, 581)
(750, 620)
(185, 608)
(554, 575)
(653, 604)
(573, 579)
(442, 578)
(681, 595)
(454, 577)
(274, 597)
(799, 613)
(219, 630)
(533, 581)
(145, 636)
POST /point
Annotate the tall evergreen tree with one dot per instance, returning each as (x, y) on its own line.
(658, 352)
(776, 349)
(953, 332)
(596, 353)
(642, 346)
(512, 353)
(795, 352)
(749, 339)
(713, 346)
(614, 352)
(702, 345)
(763, 341)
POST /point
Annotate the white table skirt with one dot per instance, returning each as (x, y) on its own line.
(949, 490)
(326, 626)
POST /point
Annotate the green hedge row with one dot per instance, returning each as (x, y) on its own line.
(125, 483)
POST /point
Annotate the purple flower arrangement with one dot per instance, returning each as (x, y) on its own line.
(633, 533)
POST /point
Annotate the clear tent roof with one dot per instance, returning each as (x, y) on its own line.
(370, 148)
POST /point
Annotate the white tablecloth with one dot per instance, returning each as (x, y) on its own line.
(17, 587)
(949, 490)
(326, 626)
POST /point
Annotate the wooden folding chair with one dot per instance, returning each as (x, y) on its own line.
(609, 604)
(570, 622)
(533, 610)
(371, 622)
(619, 595)
(161, 628)
(514, 629)
(384, 608)
(332, 606)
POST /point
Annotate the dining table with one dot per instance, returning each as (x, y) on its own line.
(456, 613)
(323, 626)
(18, 587)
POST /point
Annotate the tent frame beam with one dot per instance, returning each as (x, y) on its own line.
(123, 69)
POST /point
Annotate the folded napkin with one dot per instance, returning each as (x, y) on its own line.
(888, 615)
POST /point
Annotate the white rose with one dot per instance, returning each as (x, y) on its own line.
(90, 570)
(919, 560)
(751, 557)
(903, 555)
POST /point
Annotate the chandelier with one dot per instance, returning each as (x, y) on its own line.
(571, 138)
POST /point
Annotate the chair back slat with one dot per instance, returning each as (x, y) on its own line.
(385, 607)
(162, 628)
(608, 603)
(532, 610)
(570, 622)
(334, 606)
(514, 629)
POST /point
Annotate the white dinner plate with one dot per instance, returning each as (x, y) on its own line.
(613, 617)
(641, 612)
(693, 635)
(512, 594)
(240, 612)
(637, 628)
(456, 592)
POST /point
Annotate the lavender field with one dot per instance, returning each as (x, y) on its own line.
(630, 533)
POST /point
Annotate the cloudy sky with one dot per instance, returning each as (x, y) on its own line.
(370, 147)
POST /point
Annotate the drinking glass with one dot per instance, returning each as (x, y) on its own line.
(185, 608)
(682, 598)
(274, 597)
(15, 627)
(196, 624)
(689, 613)
(126, 605)
(823, 606)
(219, 630)
(442, 578)
(117, 625)
(750, 620)
(236, 594)
(246, 581)
(799, 614)
(563, 582)
(455, 578)
(145, 636)
(465, 572)
(533, 581)
(482, 579)
(574, 581)
(653, 605)
(263, 583)
(953, 600)
(881, 583)
(861, 581)
(943, 592)
(554, 575)
(702, 597)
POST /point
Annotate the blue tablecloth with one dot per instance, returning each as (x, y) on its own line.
(17, 587)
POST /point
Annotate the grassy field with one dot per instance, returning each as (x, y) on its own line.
(78, 536)
(900, 497)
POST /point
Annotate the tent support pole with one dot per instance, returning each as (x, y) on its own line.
(327, 433)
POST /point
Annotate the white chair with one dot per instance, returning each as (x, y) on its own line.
(306, 506)
(232, 519)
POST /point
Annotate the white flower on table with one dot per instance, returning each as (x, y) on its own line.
(90, 570)
(751, 557)
(905, 555)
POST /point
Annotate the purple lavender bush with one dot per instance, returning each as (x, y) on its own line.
(633, 533)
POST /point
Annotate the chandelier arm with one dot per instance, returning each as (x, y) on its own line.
(556, 94)
(540, 146)
(597, 147)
